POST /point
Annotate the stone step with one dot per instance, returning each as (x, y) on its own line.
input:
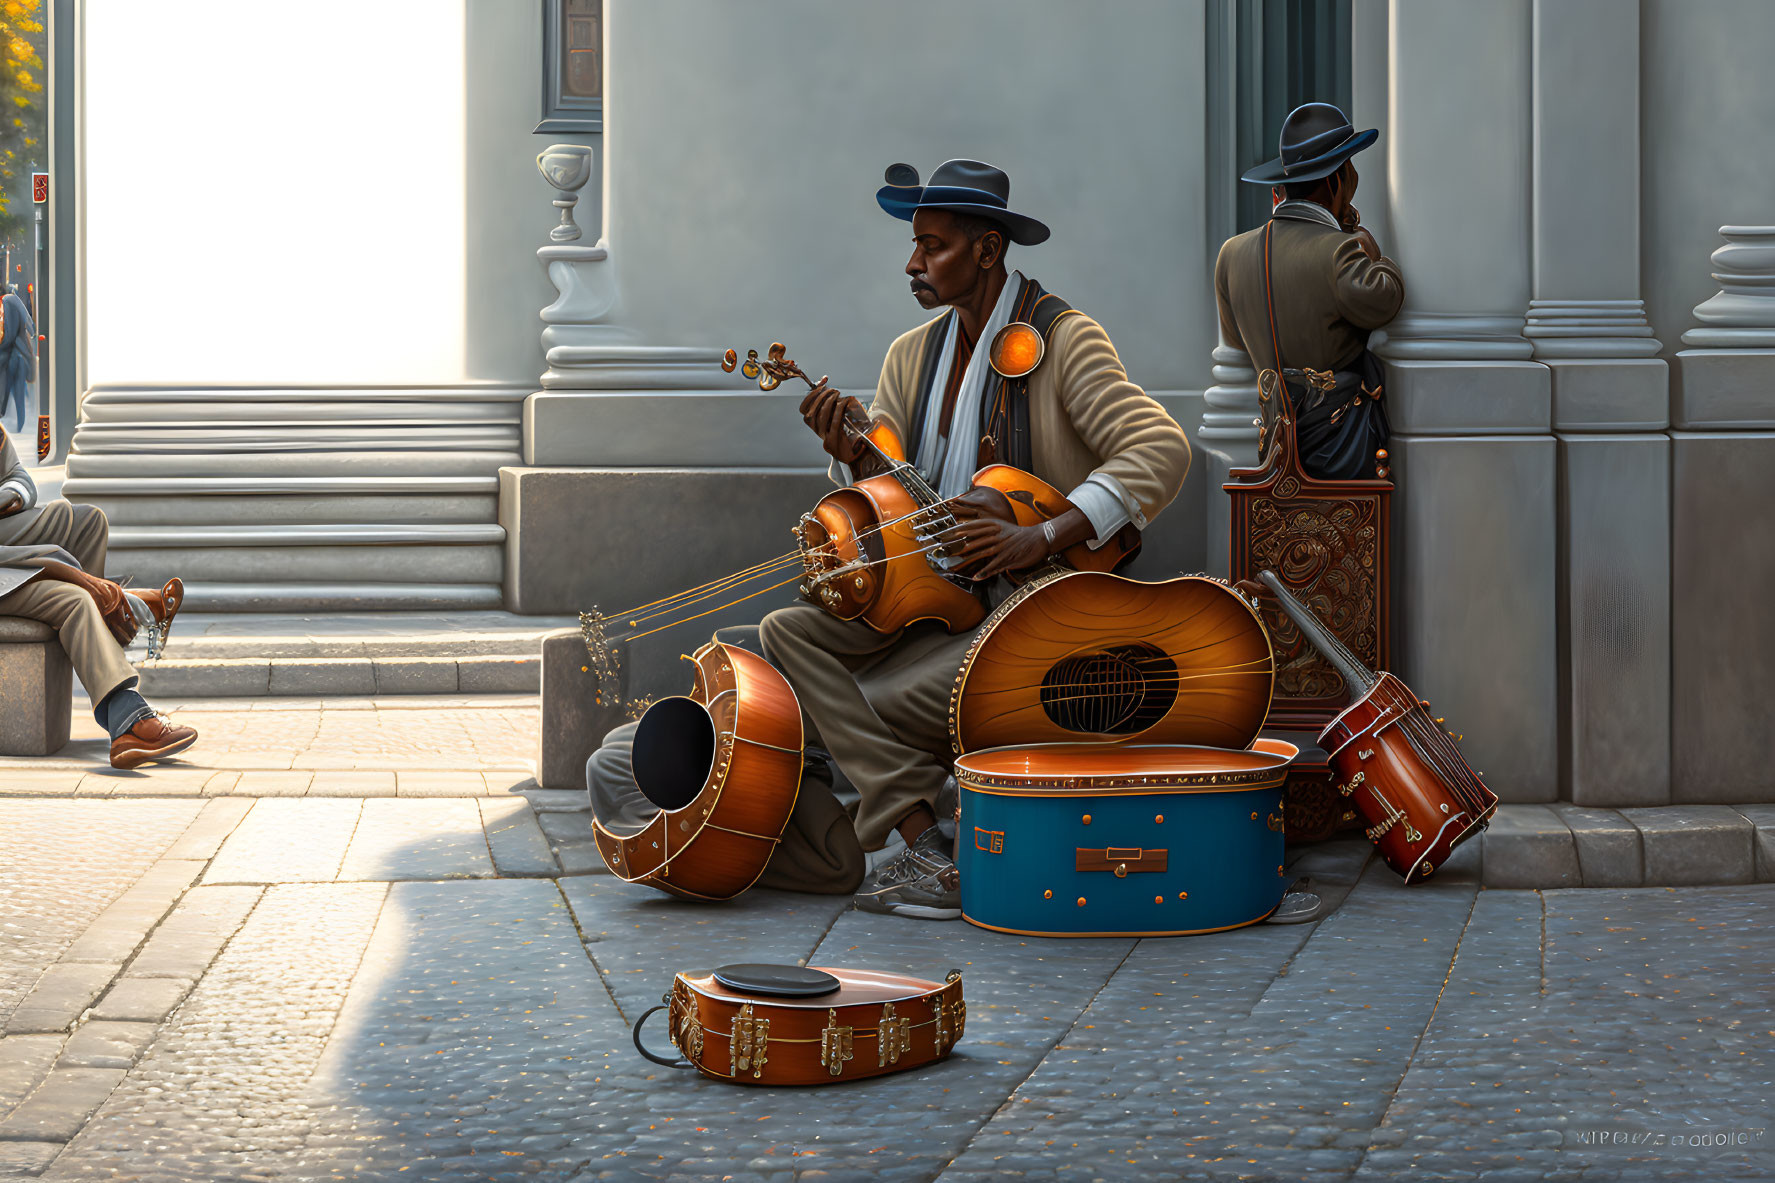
(356, 677)
(224, 655)
(299, 596)
(1564, 845)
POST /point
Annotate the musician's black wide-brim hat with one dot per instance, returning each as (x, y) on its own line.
(963, 186)
(1316, 139)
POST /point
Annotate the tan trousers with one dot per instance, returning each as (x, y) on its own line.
(879, 703)
(97, 658)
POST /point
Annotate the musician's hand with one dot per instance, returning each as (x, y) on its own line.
(824, 410)
(1370, 247)
(10, 502)
(986, 545)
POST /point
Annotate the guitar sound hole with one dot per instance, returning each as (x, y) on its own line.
(1111, 692)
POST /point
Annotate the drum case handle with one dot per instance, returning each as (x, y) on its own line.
(651, 1056)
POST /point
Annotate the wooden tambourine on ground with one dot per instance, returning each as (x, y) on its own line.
(794, 1025)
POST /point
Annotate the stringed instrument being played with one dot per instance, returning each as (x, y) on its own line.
(800, 1025)
(1415, 791)
(875, 550)
(724, 767)
(1086, 655)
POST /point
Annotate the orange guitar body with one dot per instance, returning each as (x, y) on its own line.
(724, 767)
(867, 547)
(1088, 656)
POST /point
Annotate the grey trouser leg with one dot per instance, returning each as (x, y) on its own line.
(893, 742)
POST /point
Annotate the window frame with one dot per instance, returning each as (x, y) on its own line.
(563, 112)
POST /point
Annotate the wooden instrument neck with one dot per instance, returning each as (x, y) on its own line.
(1358, 677)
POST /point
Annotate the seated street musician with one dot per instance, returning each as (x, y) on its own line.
(51, 561)
(1080, 425)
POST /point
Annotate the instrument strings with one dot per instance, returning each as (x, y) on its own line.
(791, 559)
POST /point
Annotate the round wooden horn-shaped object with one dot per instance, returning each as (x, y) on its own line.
(723, 766)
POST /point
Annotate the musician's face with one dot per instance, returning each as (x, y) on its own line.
(944, 266)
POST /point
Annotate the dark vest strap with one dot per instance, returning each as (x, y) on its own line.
(927, 372)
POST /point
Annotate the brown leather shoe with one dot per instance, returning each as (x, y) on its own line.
(153, 738)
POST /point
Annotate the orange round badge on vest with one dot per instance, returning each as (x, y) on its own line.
(1016, 350)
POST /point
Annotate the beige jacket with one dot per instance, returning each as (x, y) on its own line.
(1085, 416)
(1328, 295)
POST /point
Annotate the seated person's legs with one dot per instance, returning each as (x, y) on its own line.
(137, 733)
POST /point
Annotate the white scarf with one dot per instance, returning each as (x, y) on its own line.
(953, 467)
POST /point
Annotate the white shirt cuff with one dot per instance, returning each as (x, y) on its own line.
(840, 473)
(1107, 505)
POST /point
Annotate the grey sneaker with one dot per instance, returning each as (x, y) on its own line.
(922, 882)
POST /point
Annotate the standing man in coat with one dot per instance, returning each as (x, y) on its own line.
(1329, 281)
(52, 559)
(1079, 424)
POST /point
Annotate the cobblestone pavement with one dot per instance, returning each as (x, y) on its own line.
(360, 984)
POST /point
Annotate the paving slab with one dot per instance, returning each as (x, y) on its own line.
(1762, 818)
(27, 1158)
(101, 1043)
(189, 939)
(1272, 1043)
(65, 861)
(17, 778)
(1529, 846)
(638, 937)
(519, 848)
(120, 929)
(211, 827)
(435, 782)
(352, 783)
(1689, 845)
(60, 997)
(61, 1105)
(1632, 1018)
(559, 800)
(142, 999)
(24, 1061)
(219, 1093)
(282, 841)
(273, 782)
(1609, 850)
(418, 839)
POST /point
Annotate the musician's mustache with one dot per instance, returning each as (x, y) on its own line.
(919, 285)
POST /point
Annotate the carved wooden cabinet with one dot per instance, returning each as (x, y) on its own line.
(1328, 542)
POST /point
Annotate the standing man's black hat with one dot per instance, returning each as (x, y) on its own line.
(964, 186)
(1316, 139)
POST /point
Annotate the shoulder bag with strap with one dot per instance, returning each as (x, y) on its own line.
(1338, 419)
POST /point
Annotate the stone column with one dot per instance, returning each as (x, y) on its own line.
(1610, 404)
(1722, 562)
(1474, 552)
(1229, 441)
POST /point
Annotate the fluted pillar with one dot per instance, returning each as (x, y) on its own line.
(1474, 555)
(1722, 485)
(1587, 323)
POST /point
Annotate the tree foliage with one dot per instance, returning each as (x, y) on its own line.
(22, 109)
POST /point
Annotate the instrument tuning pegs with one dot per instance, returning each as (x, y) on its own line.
(751, 369)
(776, 351)
(729, 360)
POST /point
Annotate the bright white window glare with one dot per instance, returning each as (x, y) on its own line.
(274, 192)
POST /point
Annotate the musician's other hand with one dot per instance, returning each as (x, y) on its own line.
(1369, 246)
(10, 502)
(986, 546)
(824, 410)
